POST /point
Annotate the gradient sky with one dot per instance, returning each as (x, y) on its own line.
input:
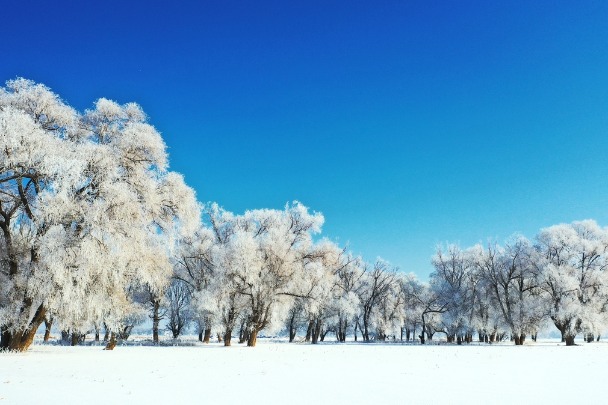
(406, 123)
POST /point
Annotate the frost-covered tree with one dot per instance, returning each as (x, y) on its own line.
(510, 277)
(411, 289)
(456, 286)
(376, 284)
(573, 276)
(346, 295)
(194, 266)
(329, 307)
(179, 313)
(258, 266)
(88, 212)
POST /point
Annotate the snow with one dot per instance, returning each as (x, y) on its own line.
(273, 373)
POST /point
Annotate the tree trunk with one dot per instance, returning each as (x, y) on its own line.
(207, 336)
(48, 324)
(228, 337)
(5, 338)
(200, 335)
(569, 340)
(112, 343)
(243, 333)
(423, 331)
(316, 331)
(21, 340)
(292, 334)
(309, 331)
(253, 338)
(155, 320)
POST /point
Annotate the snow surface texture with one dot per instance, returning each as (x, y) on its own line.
(280, 373)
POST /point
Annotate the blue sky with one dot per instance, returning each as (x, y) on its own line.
(407, 123)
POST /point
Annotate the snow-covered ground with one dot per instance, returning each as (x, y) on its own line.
(281, 373)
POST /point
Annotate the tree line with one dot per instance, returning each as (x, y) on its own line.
(98, 235)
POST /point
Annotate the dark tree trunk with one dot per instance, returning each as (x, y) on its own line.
(21, 340)
(243, 332)
(155, 319)
(365, 331)
(200, 335)
(423, 331)
(569, 340)
(316, 331)
(227, 337)
(112, 342)
(309, 331)
(5, 339)
(48, 324)
(253, 338)
(207, 336)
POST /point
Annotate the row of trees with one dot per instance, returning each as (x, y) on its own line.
(98, 234)
(263, 271)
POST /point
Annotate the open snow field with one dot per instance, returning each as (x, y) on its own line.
(281, 373)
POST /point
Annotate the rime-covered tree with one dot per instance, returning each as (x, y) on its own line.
(376, 284)
(258, 265)
(455, 285)
(88, 211)
(510, 276)
(573, 276)
(179, 313)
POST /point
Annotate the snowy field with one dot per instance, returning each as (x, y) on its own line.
(281, 373)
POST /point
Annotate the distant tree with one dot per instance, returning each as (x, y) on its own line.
(178, 310)
(510, 276)
(376, 284)
(455, 286)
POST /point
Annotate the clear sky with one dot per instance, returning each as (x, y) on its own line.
(406, 123)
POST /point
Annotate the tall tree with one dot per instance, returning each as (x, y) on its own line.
(88, 211)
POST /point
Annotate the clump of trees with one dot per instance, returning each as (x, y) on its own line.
(97, 234)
